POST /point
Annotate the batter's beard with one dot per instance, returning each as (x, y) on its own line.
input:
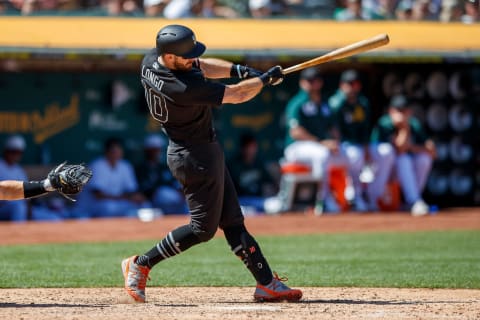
(182, 66)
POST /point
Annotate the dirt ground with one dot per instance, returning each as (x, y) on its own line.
(237, 303)
(294, 223)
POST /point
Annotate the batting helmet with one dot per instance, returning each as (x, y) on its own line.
(180, 41)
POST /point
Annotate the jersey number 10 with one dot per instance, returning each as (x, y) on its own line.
(156, 103)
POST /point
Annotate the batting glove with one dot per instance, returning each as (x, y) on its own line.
(244, 72)
(273, 76)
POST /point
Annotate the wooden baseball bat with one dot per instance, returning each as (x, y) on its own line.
(343, 52)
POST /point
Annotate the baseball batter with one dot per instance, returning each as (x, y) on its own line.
(180, 96)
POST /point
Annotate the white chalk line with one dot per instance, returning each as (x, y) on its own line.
(247, 308)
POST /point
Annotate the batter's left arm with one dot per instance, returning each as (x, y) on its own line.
(214, 68)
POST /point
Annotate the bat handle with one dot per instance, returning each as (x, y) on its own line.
(290, 70)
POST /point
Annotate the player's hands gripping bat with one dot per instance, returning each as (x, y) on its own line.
(273, 76)
(244, 72)
(69, 179)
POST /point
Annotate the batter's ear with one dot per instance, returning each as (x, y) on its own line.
(168, 57)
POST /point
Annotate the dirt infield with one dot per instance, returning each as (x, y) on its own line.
(299, 223)
(236, 303)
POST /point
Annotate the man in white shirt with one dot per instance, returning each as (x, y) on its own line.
(11, 170)
(113, 189)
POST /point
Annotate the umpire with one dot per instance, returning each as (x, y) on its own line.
(180, 96)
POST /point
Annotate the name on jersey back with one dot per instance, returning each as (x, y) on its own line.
(152, 78)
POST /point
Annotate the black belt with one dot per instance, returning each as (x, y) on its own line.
(192, 142)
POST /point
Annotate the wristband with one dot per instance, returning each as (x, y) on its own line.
(47, 184)
(33, 189)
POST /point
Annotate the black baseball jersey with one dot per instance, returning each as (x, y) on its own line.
(181, 100)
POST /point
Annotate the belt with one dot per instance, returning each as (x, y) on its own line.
(192, 142)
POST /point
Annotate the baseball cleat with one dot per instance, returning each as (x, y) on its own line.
(135, 278)
(276, 291)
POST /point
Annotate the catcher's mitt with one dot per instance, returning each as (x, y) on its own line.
(69, 179)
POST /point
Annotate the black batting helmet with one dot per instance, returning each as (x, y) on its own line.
(180, 41)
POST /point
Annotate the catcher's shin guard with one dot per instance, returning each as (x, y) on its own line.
(247, 249)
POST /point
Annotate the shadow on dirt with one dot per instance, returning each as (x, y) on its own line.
(374, 302)
(50, 305)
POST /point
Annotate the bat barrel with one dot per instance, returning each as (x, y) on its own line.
(343, 52)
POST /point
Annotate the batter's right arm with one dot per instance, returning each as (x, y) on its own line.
(242, 91)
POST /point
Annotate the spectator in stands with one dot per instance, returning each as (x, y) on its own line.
(312, 136)
(404, 10)
(379, 9)
(122, 7)
(250, 176)
(452, 11)
(212, 9)
(28, 7)
(400, 144)
(418, 10)
(472, 11)
(173, 9)
(178, 9)
(352, 111)
(424, 10)
(352, 11)
(156, 181)
(4, 7)
(10, 169)
(240, 7)
(260, 9)
(113, 189)
(154, 8)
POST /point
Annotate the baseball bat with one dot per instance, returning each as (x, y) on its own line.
(343, 52)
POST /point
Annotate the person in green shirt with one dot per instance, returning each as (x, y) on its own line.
(352, 111)
(400, 144)
(312, 136)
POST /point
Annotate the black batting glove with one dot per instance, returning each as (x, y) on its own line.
(273, 76)
(244, 72)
